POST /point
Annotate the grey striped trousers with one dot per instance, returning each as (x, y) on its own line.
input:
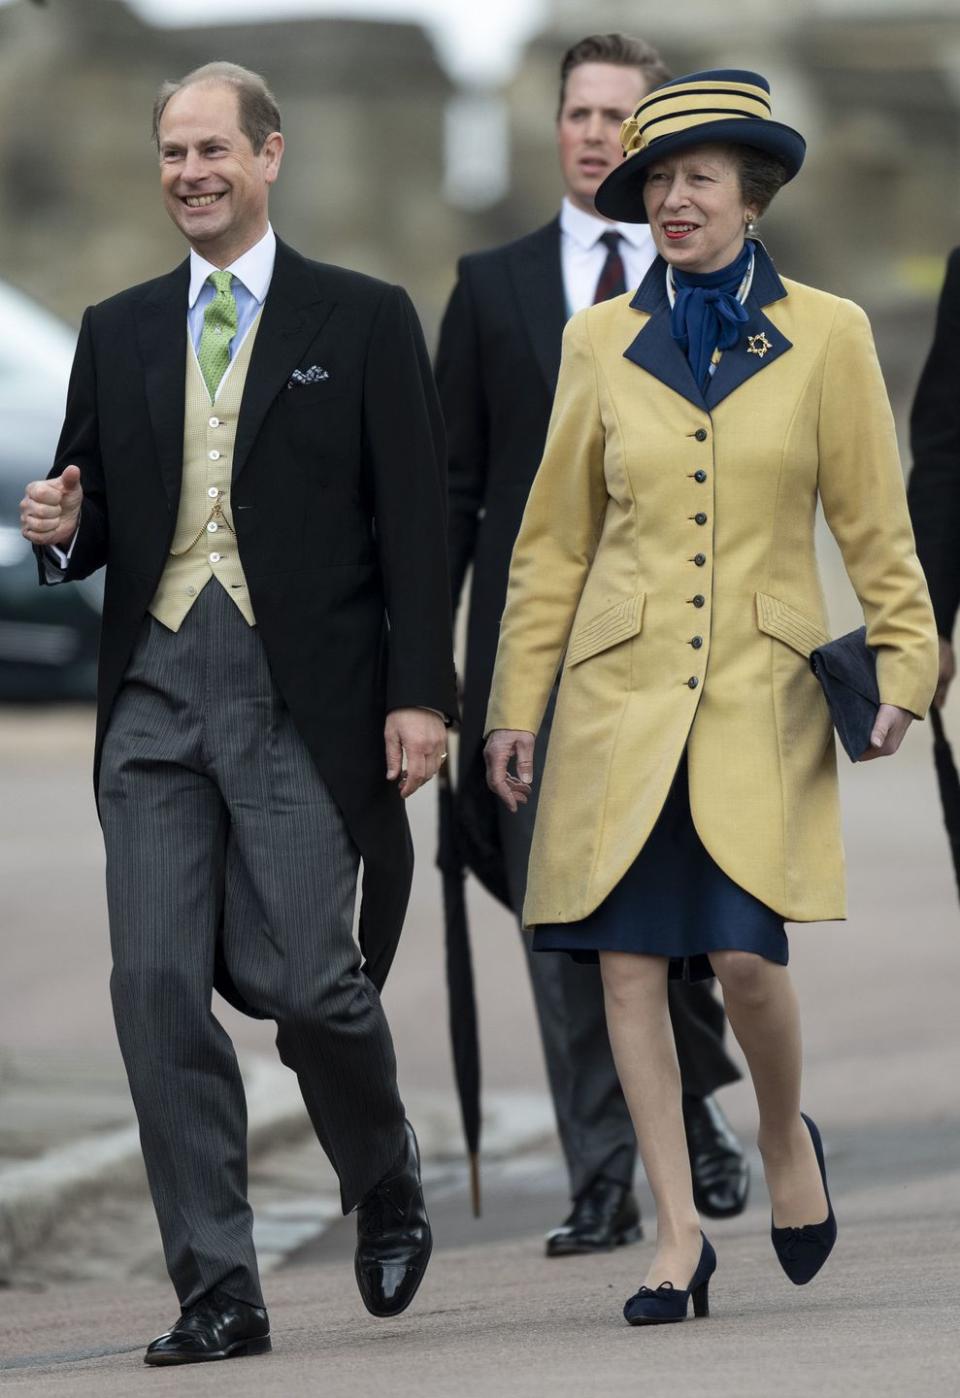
(215, 818)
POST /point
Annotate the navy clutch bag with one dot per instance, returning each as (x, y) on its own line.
(847, 671)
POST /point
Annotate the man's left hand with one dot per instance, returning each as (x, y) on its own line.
(888, 731)
(416, 743)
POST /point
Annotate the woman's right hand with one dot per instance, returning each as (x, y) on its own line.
(501, 746)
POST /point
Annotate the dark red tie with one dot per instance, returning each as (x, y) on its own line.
(613, 278)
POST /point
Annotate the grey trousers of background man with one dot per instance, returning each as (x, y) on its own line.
(214, 814)
(593, 1121)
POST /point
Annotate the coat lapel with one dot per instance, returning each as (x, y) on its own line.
(760, 343)
(655, 349)
(538, 279)
(161, 322)
(293, 313)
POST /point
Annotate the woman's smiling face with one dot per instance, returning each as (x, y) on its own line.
(696, 208)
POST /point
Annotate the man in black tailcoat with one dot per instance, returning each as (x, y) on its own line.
(934, 487)
(497, 366)
(253, 448)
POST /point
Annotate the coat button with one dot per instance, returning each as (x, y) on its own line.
(700, 559)
(697, 642)
(700, 518)
(699, 600)
(692, 682)
(701, 434)
(700, 476)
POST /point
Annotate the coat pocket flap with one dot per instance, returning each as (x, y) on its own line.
(779, 619)
(617, 623)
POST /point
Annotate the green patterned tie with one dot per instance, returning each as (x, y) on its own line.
(219, 328)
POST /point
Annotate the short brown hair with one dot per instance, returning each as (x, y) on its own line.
(258, 113)
(761, 175)
(622, 50)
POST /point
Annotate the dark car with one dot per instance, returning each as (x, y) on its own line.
(48, 636)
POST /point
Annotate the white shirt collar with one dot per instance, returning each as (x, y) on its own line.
(586, 229)
(254, 268)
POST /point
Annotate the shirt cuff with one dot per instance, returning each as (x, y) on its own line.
(56, 561)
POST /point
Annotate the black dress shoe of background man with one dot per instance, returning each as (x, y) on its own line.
(605, 1215)
(721, 1174)
(215, 1327)
(393, 1236)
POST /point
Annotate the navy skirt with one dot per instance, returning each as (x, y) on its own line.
(673, 901)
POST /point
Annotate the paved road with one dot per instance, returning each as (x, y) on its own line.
(494, 1317)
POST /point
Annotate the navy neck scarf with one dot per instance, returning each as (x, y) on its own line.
(706, 314)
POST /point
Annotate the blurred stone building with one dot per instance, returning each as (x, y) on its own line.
(875, 84)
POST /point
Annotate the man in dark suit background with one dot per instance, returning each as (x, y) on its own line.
(253, 447)
(497, 365)
(934, 487)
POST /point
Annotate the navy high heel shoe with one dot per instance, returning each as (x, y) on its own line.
(666, 1304)
(803, 1251)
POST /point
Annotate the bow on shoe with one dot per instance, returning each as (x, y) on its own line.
(796, 1239)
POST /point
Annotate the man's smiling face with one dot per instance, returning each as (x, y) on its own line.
(215, 186)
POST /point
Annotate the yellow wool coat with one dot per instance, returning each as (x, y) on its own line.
(666, 559)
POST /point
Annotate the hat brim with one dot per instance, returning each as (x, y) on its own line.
(620, 197)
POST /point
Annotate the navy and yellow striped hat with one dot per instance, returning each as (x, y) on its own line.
(719, 105)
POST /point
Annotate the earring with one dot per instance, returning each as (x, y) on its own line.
(751, 225)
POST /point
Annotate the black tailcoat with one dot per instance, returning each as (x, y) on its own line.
(338, 500)
(497, 367)
(934, 489)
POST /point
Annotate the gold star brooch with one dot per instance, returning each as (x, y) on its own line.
(758, 344)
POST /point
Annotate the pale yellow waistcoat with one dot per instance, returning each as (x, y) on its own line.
(204, 545)
(667, 552)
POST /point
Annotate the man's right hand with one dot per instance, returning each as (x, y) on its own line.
(50, 510)
(948, 668)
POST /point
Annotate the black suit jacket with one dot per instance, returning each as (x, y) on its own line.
(338, 500)
(497, 367)
(934, 488)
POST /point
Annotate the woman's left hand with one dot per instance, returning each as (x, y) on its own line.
(892, 723)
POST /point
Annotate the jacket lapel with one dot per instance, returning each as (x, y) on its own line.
(293, 313)
(760, 343)
(161, 323)
(655, 349)
(538, 279)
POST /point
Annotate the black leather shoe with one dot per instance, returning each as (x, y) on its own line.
(604, 1216)
(721, 1174)
(215, 1327)
(394, 1240)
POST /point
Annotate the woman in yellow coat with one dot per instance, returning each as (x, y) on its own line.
(666, 562)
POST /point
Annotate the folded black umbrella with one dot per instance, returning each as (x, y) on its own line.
(847, 671)
(949, 784)
(461, 997)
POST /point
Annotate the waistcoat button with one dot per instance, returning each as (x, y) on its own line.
(700, 518)
(697, 642)
(701, 434)
(700, 476)
(692, 682)
(700, 559)
(699, 600)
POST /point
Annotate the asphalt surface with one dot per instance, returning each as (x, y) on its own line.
(494, 1317)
